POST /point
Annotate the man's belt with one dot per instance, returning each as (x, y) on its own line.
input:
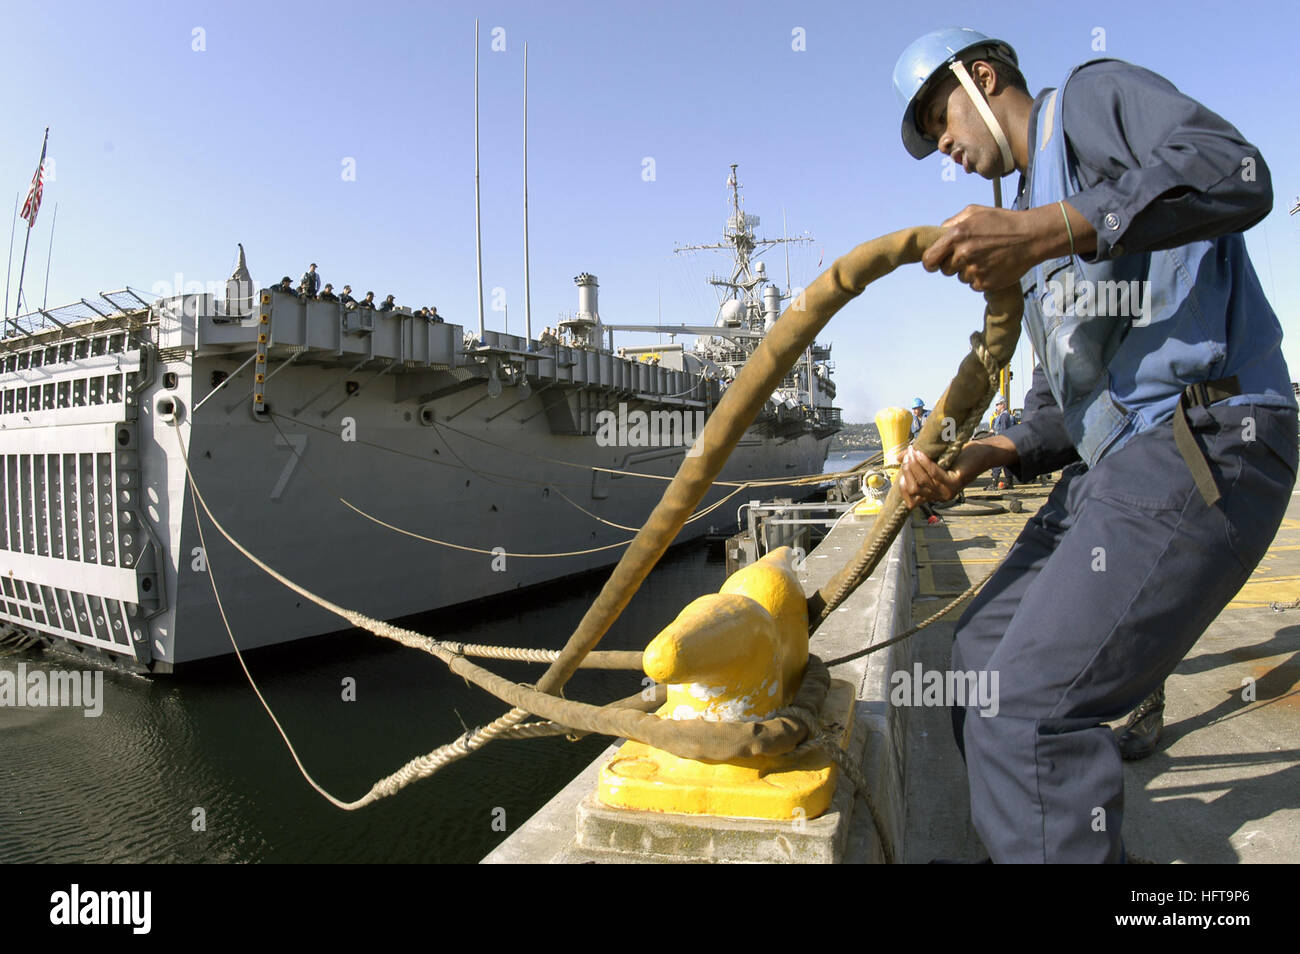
(1201, 394)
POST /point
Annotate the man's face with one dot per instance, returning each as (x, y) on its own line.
(949, 118)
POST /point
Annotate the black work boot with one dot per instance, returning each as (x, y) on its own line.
(1140, 734)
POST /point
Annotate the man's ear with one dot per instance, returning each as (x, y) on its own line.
(987, 77)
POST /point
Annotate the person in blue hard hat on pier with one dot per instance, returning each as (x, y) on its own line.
(919, 414)
(1160, 390)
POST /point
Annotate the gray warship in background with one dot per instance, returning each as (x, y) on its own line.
(286, 408)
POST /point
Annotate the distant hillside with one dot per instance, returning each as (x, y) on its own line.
(856, 437)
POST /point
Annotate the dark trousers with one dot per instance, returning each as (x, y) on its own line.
(1105, 590)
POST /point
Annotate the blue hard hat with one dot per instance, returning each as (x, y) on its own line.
(917, 403)
(926, 60)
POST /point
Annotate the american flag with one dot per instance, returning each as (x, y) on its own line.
(33, 203)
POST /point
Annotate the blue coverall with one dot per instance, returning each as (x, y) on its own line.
(1001, 424)
(1114, 579)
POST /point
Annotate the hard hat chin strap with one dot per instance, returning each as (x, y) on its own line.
(981, 105)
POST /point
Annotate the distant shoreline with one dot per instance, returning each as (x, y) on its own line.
(856, 437)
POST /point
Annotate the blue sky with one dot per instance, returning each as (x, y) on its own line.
(165, 155)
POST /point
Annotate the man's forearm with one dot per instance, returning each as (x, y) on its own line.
(983, 455)
(921, 479)
(1053, 238)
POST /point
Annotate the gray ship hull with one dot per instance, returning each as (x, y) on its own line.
(478, 483)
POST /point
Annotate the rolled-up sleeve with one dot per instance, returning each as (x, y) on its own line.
(1041, 440)
(1156, 168)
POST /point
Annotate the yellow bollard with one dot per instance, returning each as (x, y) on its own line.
(875, 488)
(774, 585)
(737, 655)
(720, 659)
(895, 426)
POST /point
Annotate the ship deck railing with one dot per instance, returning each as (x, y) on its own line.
(20, 330)
(328, 334)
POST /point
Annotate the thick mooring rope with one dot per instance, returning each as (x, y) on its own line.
(760, 375)
(964, 400)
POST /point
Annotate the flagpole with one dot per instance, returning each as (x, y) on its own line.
(478, 223)
(27, 241)
(9, 270)
(18, 305)
(54, 219)
(528, 297)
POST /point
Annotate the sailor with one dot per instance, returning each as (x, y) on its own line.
(327, 294)
(386, 305)
(919, 414)
(1001, 476)
(1174, 420)
(346, 299)
(310, 281)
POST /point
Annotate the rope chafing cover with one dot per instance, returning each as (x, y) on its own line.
(740, 404)
(847, 277)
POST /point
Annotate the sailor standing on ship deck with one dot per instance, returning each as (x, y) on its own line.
(311, 281)
(1175, 423)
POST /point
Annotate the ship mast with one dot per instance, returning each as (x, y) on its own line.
(739, 238)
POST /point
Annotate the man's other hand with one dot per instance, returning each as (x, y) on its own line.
(922, 480)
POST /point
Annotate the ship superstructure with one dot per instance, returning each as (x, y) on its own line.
(749, 306)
